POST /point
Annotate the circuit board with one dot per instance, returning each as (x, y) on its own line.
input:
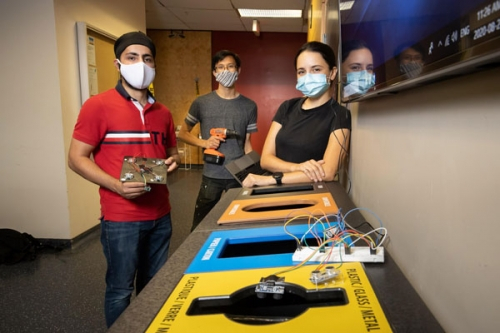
(142, 169)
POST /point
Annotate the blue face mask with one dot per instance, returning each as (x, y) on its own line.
(312, 85)
(359, 82)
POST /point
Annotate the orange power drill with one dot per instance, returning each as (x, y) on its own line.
(211, 155)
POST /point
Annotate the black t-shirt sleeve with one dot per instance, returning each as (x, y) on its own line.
(283, 110)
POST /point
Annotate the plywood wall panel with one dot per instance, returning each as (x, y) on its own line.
(179, 63)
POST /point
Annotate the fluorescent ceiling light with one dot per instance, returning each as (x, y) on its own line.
(346, 5)
(282, 13)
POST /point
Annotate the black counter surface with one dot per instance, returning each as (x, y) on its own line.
(403, 307)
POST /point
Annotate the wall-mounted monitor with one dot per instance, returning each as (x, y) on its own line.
(392, 45)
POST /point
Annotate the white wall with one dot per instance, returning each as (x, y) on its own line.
(427, 161)
(40, 90)
(33, 192)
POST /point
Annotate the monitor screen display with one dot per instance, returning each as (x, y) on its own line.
(391, 45)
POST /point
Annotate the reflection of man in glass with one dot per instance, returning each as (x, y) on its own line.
(410, 60)
(357, 68)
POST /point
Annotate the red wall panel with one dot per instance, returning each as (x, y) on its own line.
(267, 71)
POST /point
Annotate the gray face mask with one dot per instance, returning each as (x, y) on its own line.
(411, 69)
(226, 78)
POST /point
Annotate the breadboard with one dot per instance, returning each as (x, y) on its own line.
(357, 254)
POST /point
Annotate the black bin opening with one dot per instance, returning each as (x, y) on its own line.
(282, 189)
(243, 306)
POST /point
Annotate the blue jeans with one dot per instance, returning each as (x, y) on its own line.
(211, 190)
(133, 251)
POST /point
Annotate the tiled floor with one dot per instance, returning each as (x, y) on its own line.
(64, 291)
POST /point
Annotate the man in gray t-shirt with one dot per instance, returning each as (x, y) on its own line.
(221, 108)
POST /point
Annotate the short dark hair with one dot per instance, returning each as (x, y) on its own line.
(403, 47)
(219, 56)
(352, 45)
(324, 49)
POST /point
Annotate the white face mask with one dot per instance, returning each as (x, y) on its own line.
(138, 75)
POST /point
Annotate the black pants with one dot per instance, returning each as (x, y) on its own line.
(211, 190)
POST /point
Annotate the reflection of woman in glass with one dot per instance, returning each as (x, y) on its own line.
(357, 67)
(410, 60)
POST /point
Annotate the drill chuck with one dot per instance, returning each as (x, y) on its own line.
(230, 132)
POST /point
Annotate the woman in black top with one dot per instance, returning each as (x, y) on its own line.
(309, 136)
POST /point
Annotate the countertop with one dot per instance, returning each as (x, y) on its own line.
(403, 307)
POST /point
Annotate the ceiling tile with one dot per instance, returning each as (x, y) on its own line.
(219, 15)
(267, 4)
(207, 16)
(196, 4)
